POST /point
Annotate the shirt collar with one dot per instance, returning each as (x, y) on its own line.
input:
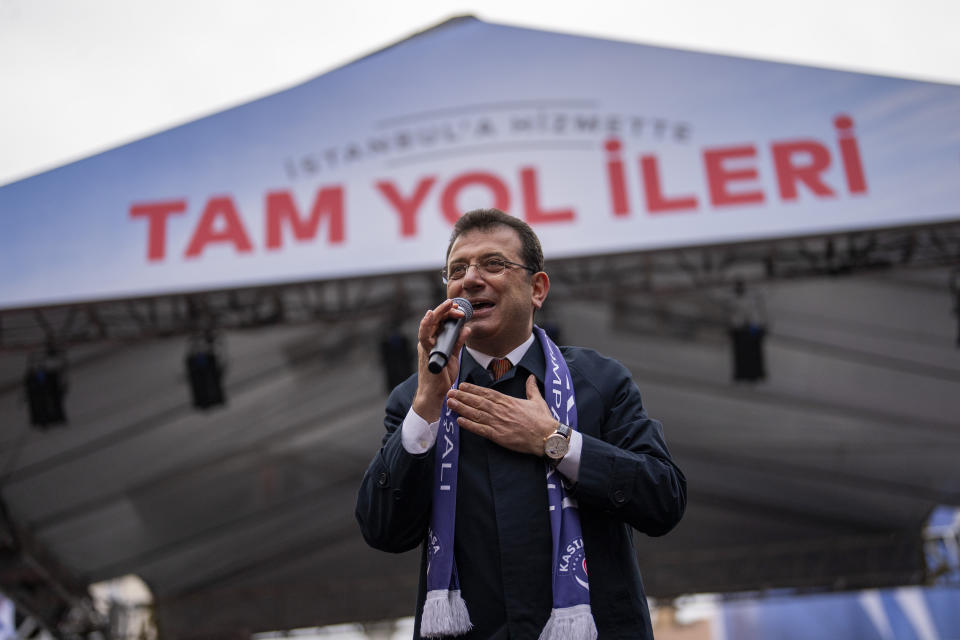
(514, 356)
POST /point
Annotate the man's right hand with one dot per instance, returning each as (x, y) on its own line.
(432, 387)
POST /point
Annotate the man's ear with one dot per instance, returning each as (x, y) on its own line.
(541, 286)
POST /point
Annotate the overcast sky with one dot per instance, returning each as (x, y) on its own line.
(81, 76)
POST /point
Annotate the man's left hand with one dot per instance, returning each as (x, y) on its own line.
(514, 423)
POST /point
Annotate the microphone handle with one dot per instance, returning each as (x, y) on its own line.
(445, 343)
(437, 362)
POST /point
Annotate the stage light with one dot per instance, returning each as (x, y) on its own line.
(397, 357)
(205, 371)
(748, 321)
(45, 383)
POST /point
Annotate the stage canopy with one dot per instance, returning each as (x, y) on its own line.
(605, 147)
(305, 226)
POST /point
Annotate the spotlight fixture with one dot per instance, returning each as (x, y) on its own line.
(748, 327)
(397, 357)
(45, 383)
(205, 371)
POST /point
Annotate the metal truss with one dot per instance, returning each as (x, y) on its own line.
(673, 280)
(613, 279)
(48, 600)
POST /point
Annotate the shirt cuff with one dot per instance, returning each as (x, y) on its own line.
(416, 434)
(569, 466)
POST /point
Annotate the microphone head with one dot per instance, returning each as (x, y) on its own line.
(465, 306)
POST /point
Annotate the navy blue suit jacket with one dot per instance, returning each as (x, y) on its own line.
(502, 548)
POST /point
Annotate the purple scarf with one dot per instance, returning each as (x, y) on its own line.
(445, 612)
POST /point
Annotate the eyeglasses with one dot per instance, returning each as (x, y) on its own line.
(487, 267)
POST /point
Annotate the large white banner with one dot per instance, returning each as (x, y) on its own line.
(602, 146)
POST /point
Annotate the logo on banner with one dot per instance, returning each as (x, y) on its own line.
(407, 138)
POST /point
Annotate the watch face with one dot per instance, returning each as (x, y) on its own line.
(556, 446)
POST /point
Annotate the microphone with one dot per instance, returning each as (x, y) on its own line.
(448, 336)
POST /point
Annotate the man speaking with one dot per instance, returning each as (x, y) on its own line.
(519, 466)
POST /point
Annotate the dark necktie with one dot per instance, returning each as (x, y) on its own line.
(498, 367)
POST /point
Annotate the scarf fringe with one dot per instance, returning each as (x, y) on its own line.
(445, 614)
(570, 623)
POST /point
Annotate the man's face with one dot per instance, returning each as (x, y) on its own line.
(503, 304)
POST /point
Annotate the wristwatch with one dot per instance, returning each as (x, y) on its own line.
(556, 445)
